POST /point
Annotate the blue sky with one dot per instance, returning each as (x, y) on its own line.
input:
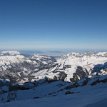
(53, 24)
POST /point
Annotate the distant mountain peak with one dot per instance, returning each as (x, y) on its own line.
(10, 53)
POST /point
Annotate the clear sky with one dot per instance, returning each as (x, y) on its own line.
(53, 24)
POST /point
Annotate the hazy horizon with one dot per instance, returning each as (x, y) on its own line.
(52, 52)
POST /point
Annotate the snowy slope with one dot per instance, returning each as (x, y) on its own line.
(95, 96)
(40, 66)
(10, 53)
(75, 79)
(70, 62)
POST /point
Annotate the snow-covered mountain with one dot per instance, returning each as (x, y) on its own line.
(55, 74)
(10, 53)
(70, 67)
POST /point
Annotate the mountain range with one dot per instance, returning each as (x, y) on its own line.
(47, 78)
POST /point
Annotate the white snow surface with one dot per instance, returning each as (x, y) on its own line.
(10, 53)
(88, 96)
(85, 61)
(6, 60)
(73, 60)
(49, 94)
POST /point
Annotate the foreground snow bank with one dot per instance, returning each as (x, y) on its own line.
(102, 103)
(88, 96)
